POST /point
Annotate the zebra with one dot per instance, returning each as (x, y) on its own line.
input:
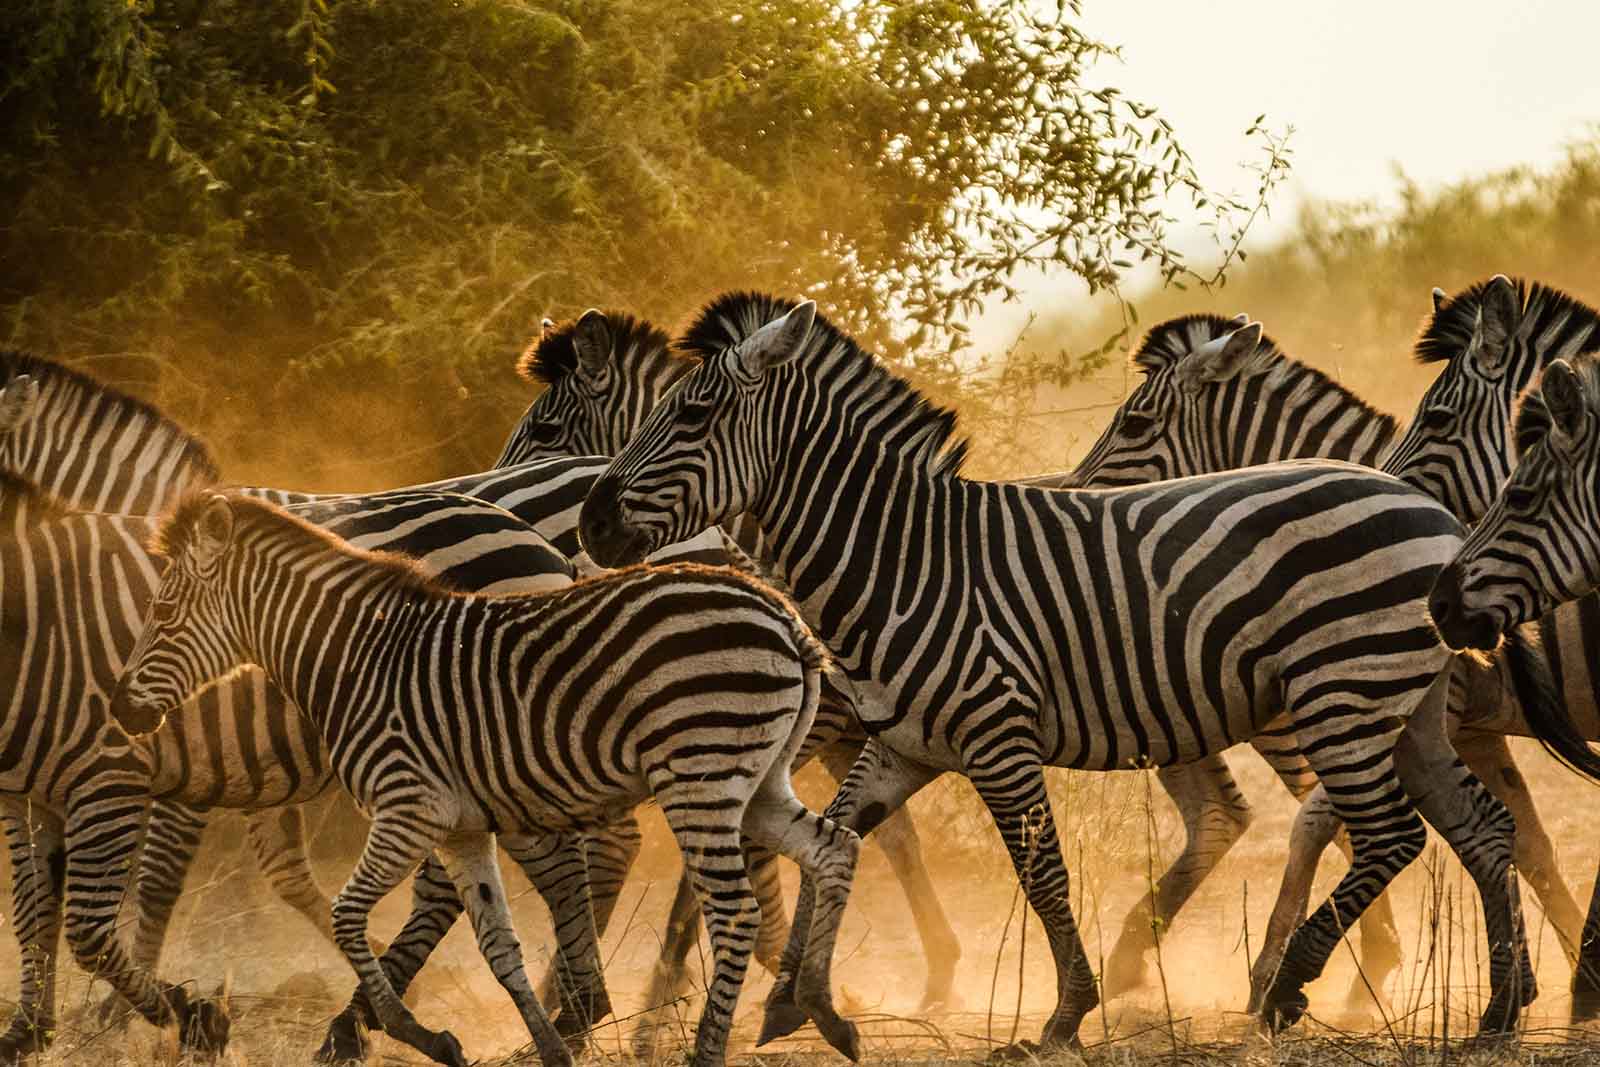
(70, 407)
(1492, 339)
(602, 373)
(75, 588)
(992, 623)
(449, 717)
(1217, 394)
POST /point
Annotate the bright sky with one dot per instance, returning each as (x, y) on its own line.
(1437, 89)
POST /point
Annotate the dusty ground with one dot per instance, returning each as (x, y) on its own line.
(286, 983)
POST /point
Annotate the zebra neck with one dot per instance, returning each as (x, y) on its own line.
(853, 528)
(323, 638)
(105, 454)
(1292, 412)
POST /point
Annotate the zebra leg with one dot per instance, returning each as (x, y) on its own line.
(1586, 973)
(713, 859)
(171, 839)
(683, 933)
(897, 837)
(1488, 757)
(434, 908)
(1316, 825)
(38, 858)
(1011, 783)
(1483, 835)
(826, 854)
(475, 869)
(105, 825)
(1215, 815)
(878, 785)
(671, 967)
(1279, 747)
(397, 844)
(1352, 749)
(609, 856)
(559, 867)
(278, 841)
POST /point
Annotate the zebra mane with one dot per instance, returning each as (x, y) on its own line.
(1532, 420)
(1168, 342)
(904, 418)
(553, 356)
(75, 389)
(263, 521)
(1449, 330)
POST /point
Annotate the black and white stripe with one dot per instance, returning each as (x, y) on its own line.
(450, 718)
(1002, 628)
(98, 448)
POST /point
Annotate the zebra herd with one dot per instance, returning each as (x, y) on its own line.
(1226, 565)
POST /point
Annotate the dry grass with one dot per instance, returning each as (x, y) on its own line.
(285, 983)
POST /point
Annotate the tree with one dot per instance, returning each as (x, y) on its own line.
(288, 210)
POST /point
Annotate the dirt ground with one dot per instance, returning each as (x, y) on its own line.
(285, 983)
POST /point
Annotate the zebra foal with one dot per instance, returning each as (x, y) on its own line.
(450, 717)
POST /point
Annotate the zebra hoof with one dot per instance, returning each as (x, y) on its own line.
(843, 1036)
(1585, 1004)
(1283, 1008)
(1499, 1019)
(782, 1018)
(346, 1042)
(447, 1050)
(205, 1027)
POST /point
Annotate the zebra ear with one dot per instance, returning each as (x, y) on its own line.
(592, 340)
(1497, 321)
(1562, 390)
(17, 402)
(213, 531)
(1439, 297)
(1219, 359)
(547, 326)
(778, 341)
(1241, 319)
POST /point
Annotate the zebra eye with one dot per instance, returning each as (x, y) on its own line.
(1136, 424)
(1519, 498)
(541, 432)
(164, 611)
(1438, 418)
(695, 411)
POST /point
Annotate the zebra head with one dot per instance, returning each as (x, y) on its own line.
(1170, 425)
(602, 374)
(1492, 338)
(703, 455)
(186, 641)
(1538, 544)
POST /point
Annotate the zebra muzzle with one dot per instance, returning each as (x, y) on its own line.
(604, 531)
(135, 715)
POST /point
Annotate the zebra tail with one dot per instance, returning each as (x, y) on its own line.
(1544, 706)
